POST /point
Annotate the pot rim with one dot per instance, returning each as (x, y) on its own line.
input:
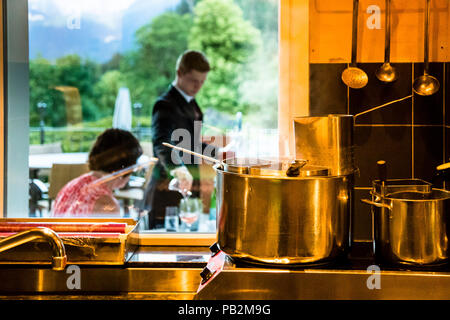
(273, 178)
(387, 197)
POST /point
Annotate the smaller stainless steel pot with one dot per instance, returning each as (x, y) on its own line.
(411, 227)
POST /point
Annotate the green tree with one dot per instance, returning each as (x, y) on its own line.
(263, 14)
(42, 76)
(46, 82)
(151, 67)
(229, 41)
(72, 71)
(106, 90)
(186, 6)
(259, 82)
(112, 64)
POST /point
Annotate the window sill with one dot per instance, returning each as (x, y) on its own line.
(177, 239)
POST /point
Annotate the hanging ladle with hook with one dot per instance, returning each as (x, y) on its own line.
(426, 85)
(386, 72)
(353, 76)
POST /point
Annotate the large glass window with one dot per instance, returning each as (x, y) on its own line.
(97, 64)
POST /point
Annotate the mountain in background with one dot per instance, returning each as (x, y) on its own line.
(93, 40)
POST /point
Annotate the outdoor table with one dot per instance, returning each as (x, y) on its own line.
(37, 162)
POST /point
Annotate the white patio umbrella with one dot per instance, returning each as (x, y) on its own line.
(122, 110)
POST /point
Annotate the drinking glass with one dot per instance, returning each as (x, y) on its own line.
(190, 209)
(171, 221)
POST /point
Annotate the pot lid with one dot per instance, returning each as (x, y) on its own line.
(274, 167)
(243, 165)
(281, 169)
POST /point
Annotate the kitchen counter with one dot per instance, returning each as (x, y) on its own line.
(174, 273)
(151, 273)
(357, 277)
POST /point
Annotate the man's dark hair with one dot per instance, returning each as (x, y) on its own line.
(192, 60)
(113, 150)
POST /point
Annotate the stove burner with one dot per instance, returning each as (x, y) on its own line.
(248, 263)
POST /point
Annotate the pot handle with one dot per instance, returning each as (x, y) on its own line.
(376, 204)
(379, 205)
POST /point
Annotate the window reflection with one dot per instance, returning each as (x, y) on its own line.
(83, 54)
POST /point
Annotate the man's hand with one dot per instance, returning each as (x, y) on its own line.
(182, 181)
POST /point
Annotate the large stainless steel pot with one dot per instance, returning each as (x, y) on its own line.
(411, 227)
(283, 220)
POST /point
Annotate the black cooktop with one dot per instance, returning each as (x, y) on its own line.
(359, 257)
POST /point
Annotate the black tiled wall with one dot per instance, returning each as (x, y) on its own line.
(411, 134)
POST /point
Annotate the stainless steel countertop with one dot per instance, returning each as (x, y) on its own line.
(151, 273)
(357, 277)
(174, 273)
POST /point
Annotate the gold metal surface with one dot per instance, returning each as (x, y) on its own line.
(426, 85)
(412, 227)
(92, 251)
(117, 296)
(396, 185)
(101, 280)
(354, 77)
(281, 168)
(311, 284)
(304, 220)
(59, 258)
(386, 72)
(283, 220)
(239, 283)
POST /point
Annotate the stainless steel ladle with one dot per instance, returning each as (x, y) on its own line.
(426, 85)
(353, 76)
(386, 72)
(293, 169)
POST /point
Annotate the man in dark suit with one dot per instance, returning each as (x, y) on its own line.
(176, 119)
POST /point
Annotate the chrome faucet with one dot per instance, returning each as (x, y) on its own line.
(59, 259)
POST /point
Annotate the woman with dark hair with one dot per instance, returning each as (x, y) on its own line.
(114, 149)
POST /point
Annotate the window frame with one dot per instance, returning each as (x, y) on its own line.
(15, 109)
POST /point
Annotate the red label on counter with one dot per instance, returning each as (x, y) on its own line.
(64, 226)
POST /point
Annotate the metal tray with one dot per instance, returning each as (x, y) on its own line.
(104, 250)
